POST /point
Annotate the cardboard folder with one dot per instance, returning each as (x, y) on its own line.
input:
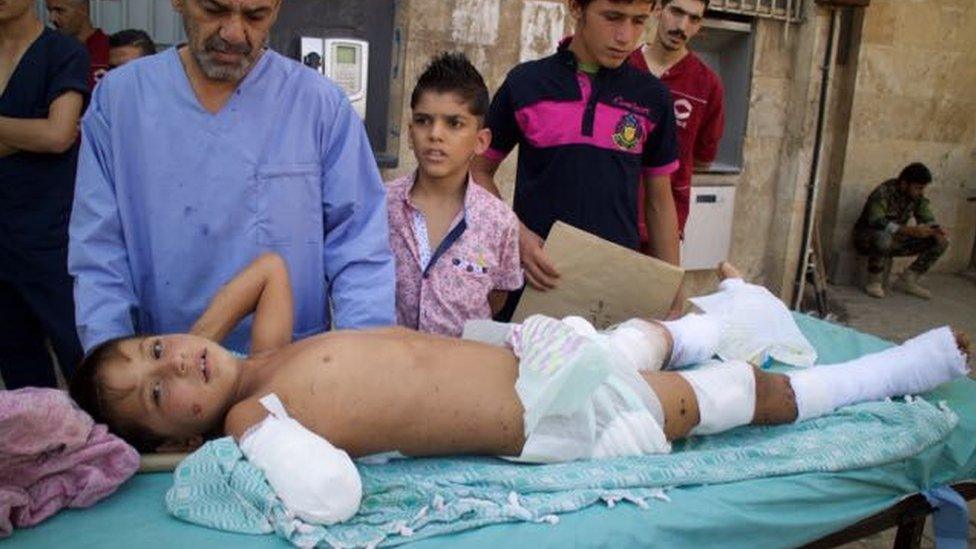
(603, 282)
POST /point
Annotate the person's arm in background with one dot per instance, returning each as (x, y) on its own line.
(659, 161)
(67, 94)
(97, 256)
(662, 219)
(540, 272)
(483, 171)
(54, 134)
(359, 264)
(925, 219)
(507, 275)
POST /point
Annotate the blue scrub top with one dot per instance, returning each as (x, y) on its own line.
(173, 201)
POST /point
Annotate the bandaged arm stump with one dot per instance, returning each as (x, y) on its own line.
(315, 480)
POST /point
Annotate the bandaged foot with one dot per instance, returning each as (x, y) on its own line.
(918, 365)
(755, 324)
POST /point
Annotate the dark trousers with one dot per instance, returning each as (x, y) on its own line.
(32, 311)
(880, 245)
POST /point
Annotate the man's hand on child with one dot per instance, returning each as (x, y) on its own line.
(540, 273)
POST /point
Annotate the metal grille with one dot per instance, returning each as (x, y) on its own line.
(783, 10)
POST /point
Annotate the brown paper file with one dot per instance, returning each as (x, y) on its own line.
(600, 281)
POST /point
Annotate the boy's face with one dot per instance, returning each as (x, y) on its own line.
(445, 136)
(121, 55)
(679, 22)
(175, 386)
(608, 32)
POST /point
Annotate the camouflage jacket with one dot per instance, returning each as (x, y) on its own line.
(887, 205)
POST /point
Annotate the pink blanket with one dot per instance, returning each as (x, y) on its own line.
(52, 456)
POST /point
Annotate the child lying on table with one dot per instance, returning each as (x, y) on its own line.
(558, 391)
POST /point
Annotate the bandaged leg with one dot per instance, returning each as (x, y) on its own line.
(918, 365)
(315, 480)
(726, 394)
(639, 344)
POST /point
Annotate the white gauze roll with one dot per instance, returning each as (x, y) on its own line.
(726, 394)
(315, 480)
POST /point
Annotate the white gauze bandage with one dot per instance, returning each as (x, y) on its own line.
(726, 393)
(916, 366)
(695, 339)
(641, 343)
(315, 480)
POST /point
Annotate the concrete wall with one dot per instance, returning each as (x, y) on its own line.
(913, 100)
(771, 189)
(490, 33)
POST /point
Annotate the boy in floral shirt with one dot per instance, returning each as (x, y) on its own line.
(455, 244)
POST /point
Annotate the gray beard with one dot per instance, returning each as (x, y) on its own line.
(222, 72)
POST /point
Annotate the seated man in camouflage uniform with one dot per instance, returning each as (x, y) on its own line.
(882, 231)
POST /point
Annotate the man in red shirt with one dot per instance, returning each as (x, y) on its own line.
(696, 92)
(72, 17)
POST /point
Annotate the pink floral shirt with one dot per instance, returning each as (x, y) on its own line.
(437, 290)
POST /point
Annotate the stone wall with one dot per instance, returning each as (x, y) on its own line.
(913, 100)
(490, 33)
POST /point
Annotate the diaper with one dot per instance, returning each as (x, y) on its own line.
(583, 397)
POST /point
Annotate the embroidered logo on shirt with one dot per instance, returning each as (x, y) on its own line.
(682, 112)
(628, 132)
(469, 266)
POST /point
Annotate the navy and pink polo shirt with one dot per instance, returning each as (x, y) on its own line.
(585, 143)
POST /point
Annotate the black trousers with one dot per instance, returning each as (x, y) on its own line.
(32, 311)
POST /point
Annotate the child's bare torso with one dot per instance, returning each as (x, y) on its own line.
(398, 390)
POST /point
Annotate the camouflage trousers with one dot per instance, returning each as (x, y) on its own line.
(880, 245)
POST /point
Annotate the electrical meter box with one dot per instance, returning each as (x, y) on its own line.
(356, 43)
(708, 232)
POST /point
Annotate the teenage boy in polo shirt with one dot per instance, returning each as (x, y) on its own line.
(590, 130)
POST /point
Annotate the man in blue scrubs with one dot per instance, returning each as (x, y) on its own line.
(42, 93)
(196, 160)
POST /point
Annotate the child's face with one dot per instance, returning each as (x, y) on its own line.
(445, 136)
(176, 386)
